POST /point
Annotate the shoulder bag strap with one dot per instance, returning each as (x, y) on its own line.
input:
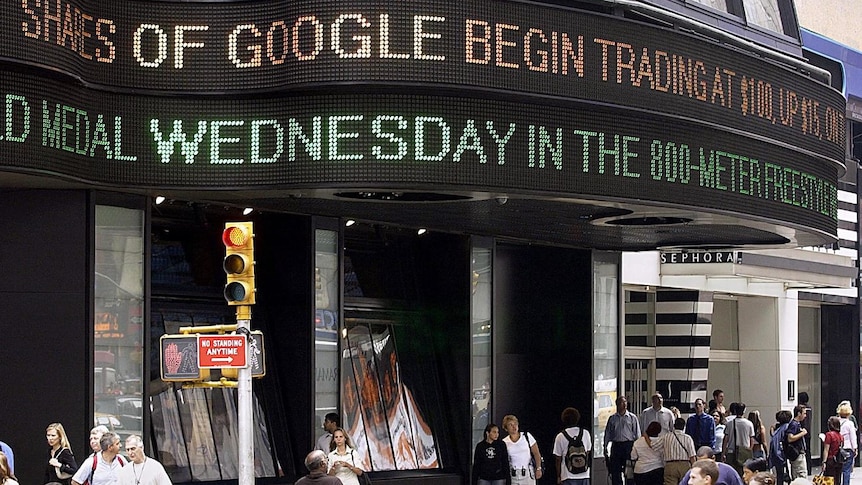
(95, 464)
(680, 442)
(731, 442)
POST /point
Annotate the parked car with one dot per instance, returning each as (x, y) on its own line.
(131, 412)
(108, 420)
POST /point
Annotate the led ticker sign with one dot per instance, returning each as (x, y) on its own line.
(481, 45)
(406, 141)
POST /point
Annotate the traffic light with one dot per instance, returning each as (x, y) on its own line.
(238, 239)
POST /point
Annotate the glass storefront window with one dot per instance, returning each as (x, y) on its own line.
(809, 381)
(118, 323)
(383, 419)
(764, 13)
(725, 325)
(716, 4)
(606, 342)
(392, 400)
(481, 303)
(809, 330)
(195, 430)
(326, 270)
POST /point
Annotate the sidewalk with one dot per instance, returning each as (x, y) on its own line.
(855, 478)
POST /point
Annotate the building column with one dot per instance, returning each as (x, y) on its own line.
(683, 326)
(768, 343)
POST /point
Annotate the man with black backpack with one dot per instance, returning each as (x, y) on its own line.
(573, 450)
(794, 444)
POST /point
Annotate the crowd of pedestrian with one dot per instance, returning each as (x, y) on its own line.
(104, 466)
(745, 451)
(716, 445)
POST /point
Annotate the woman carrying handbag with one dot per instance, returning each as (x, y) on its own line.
(61, 463)
(833, 442)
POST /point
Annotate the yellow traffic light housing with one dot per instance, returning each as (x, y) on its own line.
(238, 239)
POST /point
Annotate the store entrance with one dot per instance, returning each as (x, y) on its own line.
(638, 378)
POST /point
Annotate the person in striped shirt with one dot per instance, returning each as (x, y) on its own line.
(679, 453)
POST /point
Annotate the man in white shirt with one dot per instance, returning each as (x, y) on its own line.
(659, 414)
(102, 468)
(738, 434)
(141, 470)
(330, 423)
(565, 476)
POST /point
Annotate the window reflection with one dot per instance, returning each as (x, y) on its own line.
(326, 304)
(764, 13)
(118, 326)
(195, 430)
(481, 337)
(168, 436)
(716, 4)
(605, 342)
(380, 413)
(195, 435)
(198, 434)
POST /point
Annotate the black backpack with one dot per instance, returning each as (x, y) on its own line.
(792, 449)
(577, 458)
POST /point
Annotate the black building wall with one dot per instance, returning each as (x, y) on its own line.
(436, 350)
(285, 313)
(46, 355)
(543, 339)
(839, 358)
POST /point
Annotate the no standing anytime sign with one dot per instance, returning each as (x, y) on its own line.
(220, 351)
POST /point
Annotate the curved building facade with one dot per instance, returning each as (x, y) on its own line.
(441, 193)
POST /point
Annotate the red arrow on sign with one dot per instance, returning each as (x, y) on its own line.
(221, 351)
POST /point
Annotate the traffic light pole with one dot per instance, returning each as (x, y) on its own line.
(238, 264)
(245, 410)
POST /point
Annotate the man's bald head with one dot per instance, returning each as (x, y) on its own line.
(705, 453)
(316, 460)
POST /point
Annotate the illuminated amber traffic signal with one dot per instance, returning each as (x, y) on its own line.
(238, 239)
